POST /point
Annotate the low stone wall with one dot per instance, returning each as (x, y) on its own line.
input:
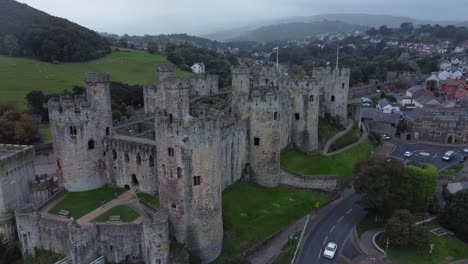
(316, 182)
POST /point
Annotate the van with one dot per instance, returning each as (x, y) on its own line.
(448, 156)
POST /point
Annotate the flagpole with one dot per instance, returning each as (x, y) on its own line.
(277, 55)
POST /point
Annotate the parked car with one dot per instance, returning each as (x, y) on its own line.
(386, 137)
(367, 104)
(408, 154)
(448, 156)
(465, 150)
(330, 250)
(366, 100)
(462, 157)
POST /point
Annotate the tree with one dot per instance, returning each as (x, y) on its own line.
(384, 183)
(152, 47)
(16, 127)
(455, 215)
(9, 252)
(407, 27)
(35, 99)
(402, 231)
(423, 179)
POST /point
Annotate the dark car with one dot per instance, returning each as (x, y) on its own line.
(462, 158)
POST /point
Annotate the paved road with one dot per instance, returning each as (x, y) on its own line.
(335, 227)
(425, 153)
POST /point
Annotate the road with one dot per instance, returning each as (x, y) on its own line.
(335, 227)
(424, 153)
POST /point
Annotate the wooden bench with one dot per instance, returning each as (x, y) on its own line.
(64, 213)
(114, 218)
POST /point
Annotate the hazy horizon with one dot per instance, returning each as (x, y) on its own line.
(208, 16)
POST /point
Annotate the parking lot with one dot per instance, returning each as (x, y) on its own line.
(423, 153)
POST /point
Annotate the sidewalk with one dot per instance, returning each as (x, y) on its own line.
(365, 243)
(337, 136)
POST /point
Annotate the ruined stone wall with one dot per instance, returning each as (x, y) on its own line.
(148, 241)
(324, 183)
(16, 171)
(130, 164)
(264, 136)
(204, 85)
(78, 128)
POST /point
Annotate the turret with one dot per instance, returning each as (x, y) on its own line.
(241, 80)
(78, 126)
(164, 71)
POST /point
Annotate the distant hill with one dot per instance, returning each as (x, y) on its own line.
(25, 31)
(298, 30)
(353, 19)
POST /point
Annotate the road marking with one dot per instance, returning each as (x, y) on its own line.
(325, 240)
(332, 229)
(339, 220)
(320, 254)
(349, 211)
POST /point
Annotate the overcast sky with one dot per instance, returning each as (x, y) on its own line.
(138, 17)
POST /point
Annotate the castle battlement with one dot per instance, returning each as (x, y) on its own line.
(93, 78)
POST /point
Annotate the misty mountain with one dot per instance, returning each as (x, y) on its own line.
(25, 31)
(353, 19)
(297, 30)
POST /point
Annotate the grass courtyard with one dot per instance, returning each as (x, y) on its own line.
(18, 76)
(81, 203)
(127, 214)
(341, 164)
(45, 133)
(252, 213)
(149, 199)
(447, 248)
(347, 139)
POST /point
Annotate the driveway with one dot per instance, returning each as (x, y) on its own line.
(424, 153)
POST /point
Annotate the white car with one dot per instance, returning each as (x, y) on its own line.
(386, 137)
(465, 150)
(330, 250)
(408, 154)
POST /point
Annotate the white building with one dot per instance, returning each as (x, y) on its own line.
(198, 68)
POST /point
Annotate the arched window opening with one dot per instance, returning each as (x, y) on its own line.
(114, 154)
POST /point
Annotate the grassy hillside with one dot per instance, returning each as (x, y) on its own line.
(18, 76)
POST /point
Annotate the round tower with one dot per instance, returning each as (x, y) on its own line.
(78, 126)
(164, 71)
(264, 141)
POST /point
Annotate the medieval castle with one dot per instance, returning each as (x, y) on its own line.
(192, 141)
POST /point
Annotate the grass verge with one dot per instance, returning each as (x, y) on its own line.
(149, 199)
(287, 252)
(126, 213)
(252, 213)
(347, 139)
(341, 164)
(452, 170)
(45, 133)
(81, 203)
(447, 248)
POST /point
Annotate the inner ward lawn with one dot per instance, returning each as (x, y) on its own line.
(252, 213)
(81, 203)
(446, 247)
(340, 164)
(18, 76)
(149, 199)
(126, 213)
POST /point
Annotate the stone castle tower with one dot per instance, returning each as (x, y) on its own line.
(78, 127)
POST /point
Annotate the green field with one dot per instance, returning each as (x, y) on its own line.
(126, 213)
(446, 247)
(252, 213)
(341, 164)
(81, 203)
(18, 76)
(149, 199)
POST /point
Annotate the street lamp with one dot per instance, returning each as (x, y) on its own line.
(386, 248)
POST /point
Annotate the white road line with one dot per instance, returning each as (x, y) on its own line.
(332, 229)
(320, 254)
(339, 220)
(349, 211)
(325, 240)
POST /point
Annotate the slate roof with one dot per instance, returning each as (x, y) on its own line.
(457, 186)
(379, 116)
(383, 103)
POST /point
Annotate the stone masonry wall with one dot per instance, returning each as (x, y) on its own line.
(324, 183)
